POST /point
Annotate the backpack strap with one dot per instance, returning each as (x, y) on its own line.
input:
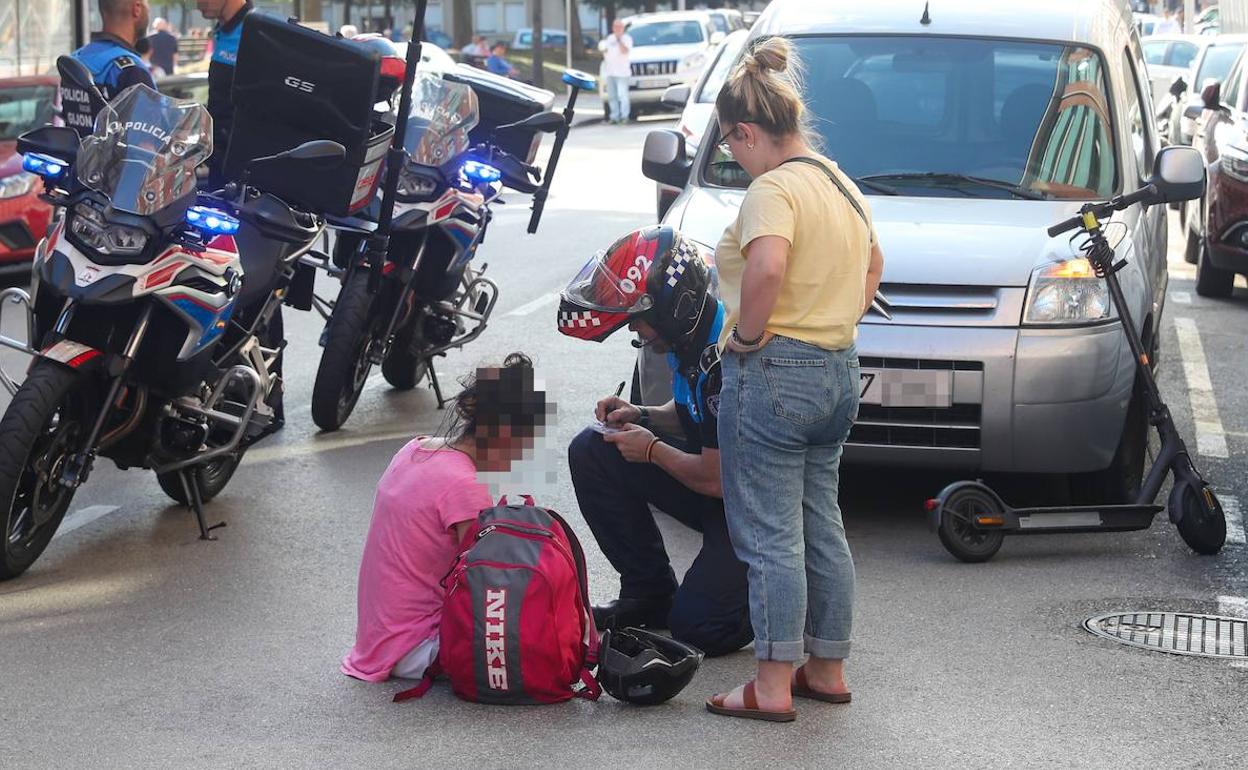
(432, 672)
(836, 181)
(591, 690)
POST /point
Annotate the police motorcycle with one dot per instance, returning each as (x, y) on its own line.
(147, 300)
(425, 296)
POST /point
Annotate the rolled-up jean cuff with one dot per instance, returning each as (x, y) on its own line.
(786, 651)
(826, 648)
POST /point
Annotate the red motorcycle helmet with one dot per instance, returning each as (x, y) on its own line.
(393, 66)
(654, 273)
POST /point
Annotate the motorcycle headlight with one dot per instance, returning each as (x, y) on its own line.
(1067, 293)
(693, 61)
(90, 227)
(17, 185)
(414, 187)
(1234, 163)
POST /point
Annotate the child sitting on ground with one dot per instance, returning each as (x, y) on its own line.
(426, 501)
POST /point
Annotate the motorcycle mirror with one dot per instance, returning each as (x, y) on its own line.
(546, 122)
(74, 73)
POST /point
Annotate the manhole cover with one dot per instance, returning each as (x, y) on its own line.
(1178, 633)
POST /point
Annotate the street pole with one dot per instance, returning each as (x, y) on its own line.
(569, 10)
(1189, 16)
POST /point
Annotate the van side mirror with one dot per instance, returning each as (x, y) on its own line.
(663, 158)
(1211, 95)
(677, 96)
(1178, 175)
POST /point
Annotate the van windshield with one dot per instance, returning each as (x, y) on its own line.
(666, 33)
(922, 114)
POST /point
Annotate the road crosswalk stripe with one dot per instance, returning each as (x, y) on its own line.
(1210, 435)
(82, 517)
(537, 304)
(1234, 520)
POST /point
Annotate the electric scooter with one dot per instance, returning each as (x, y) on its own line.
(972, 520)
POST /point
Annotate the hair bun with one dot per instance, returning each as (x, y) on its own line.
(771, 55)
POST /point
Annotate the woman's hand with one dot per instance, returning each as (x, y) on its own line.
(616, 411)
(633, 441)
(737, 347)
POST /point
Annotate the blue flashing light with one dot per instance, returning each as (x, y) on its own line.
(45, 166)
(210, 221)
(479, 173)
(581, 80)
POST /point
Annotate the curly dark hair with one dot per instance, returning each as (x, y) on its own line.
(494, 397)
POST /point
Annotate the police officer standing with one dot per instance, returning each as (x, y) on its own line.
(229, 15)
(111, 57)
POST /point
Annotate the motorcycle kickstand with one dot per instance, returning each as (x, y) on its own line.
(433, 381)
(190, 488)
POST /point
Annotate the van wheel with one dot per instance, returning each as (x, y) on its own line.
(1211, 281)
(1120, 482)
(1192, 251)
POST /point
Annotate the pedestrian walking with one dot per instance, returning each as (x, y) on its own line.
(617, 70)
(796, 270)
(164, 47)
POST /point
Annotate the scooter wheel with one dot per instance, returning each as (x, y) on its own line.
(959, 536)
(1202, 524)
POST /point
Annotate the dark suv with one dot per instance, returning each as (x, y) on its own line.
(1217, 225)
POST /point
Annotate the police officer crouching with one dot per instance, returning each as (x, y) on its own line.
(659, 284)
(112, 59)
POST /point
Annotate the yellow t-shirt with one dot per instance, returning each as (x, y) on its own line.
(820, 300)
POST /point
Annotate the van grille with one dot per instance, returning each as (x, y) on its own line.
(955, 427)
(876, 362)
(644, 69)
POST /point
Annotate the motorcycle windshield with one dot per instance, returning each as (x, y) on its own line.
(442, 115)
(145, 149)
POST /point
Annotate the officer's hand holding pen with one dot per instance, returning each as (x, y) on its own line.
(615, 411)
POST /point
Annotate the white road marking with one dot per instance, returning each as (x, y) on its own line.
(1181, 297)
(82, 517)
(1234, 520)
(314, 446)
(1210, 436)
(1233, 606)
(537, 304)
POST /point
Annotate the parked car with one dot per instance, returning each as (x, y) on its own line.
(699, 103)
(668, 49)
(727, 20)
(1169, 57)
(985, 128)
(1146, 23)
(25, 103)
(1213, 63)
(1217, 225)
(551, 38)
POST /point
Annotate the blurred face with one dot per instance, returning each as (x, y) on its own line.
(649, 335)
(142, 17)
(618, 27)
(499, 50)
(211, 9)
(498, 447)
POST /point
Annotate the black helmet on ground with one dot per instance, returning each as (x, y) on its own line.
(642, 667)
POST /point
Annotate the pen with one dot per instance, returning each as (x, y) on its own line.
(620, 389)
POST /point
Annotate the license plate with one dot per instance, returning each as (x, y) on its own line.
(648, 83)
(906, 387)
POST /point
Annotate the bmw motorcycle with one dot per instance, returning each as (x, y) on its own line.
(426, 296)
(148, 299)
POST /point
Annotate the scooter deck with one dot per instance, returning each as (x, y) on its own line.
(1087, 518)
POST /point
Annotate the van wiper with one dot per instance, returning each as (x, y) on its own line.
(940, 179)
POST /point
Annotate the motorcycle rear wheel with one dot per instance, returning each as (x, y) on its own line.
(344, 365)
(39, 431)
(212, 477)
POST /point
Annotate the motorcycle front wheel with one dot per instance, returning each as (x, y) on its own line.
(345, 364)
(39, 431)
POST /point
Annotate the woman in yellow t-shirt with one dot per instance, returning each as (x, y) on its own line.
(797, 270)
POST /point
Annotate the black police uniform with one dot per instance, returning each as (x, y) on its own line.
(710, 608)
(115, 66)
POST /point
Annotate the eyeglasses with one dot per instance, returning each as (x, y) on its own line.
(733, 134)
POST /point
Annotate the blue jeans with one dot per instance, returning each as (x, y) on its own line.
(617, 97)
(785, 412)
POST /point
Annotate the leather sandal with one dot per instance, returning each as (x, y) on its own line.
(715, 705)
(802, 689)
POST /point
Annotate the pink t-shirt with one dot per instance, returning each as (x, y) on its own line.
(409, 549)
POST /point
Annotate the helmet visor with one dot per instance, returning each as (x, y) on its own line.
(600, 287)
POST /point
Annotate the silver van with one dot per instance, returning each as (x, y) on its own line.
(972, 128)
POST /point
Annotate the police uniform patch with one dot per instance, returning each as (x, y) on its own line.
(712, 378)
(123, 62)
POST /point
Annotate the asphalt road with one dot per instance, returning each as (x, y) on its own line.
(133, 644)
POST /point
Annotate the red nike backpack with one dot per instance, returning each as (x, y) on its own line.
(516, 625)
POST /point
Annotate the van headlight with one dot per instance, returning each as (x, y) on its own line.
(94, 232)
(1067, 293)
(1234, 163)
(17, 185)
(693, 61)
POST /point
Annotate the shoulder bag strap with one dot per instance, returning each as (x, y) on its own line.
(836, 181)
